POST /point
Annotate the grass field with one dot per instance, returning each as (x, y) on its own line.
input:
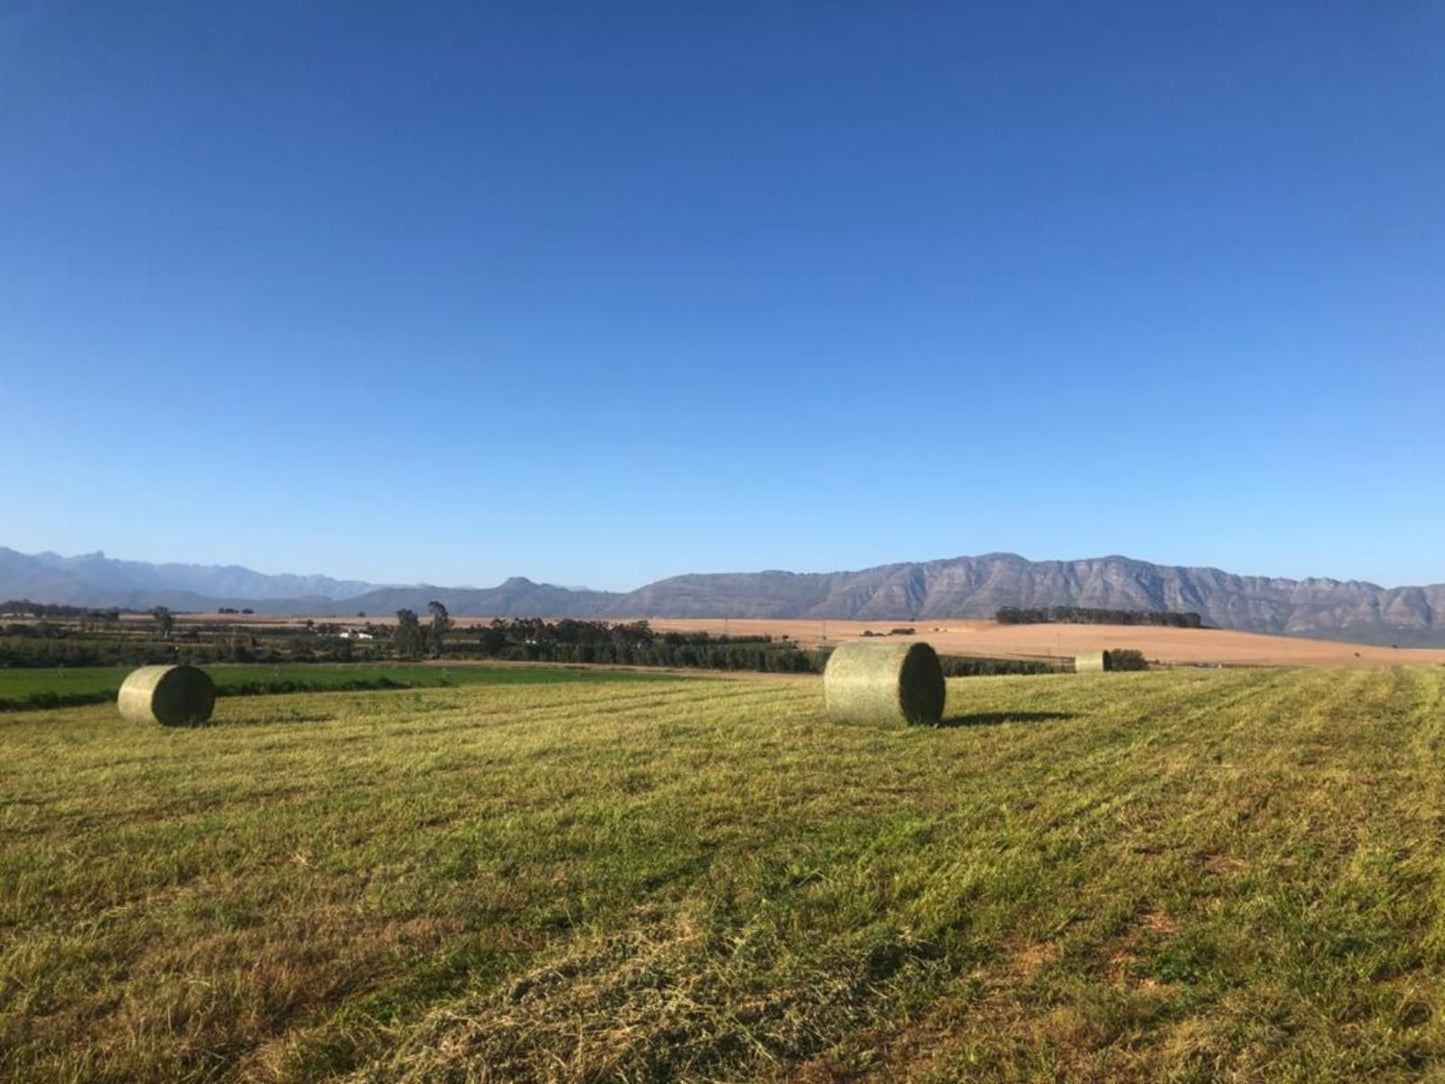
(1188, 876)
(22, 688)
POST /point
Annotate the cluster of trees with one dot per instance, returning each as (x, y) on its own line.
(1082, 615)
(633, 643)
(636, 643)
(85, 641)
(412, 640)
(59, 611)
(41, 651)
(78, 642)
(50, 642)
(1126, 659)
(968, 666)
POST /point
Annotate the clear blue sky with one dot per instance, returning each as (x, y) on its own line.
(597, 293)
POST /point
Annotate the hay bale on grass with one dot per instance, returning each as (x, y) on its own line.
(1091, 662)
(169, 695)
(884, 684)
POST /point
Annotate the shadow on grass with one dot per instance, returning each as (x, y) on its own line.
(993, 718)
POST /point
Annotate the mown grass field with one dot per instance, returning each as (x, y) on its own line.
(22, 688)
(1191, 876)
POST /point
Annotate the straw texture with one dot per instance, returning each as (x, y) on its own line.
(1091, 662)
(884, 684)
(169, 695)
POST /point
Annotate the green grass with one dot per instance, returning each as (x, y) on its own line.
(1185, 876)
(24, 688)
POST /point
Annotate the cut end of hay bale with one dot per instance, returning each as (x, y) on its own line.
(169, 695)
(884, 684)
(1091, 662)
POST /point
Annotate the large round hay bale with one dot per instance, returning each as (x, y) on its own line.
(884, 684)
(1091, 662)
(169, 695)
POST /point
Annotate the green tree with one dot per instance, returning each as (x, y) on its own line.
(408, 639)
(165, 621)
(441, 623)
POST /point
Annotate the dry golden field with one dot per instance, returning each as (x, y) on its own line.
(1185, 646)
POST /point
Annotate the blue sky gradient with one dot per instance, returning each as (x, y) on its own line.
(602, 293)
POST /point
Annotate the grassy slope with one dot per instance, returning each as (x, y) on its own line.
(1181, 875)
(25, 687)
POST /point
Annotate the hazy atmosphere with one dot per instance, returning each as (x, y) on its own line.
(597, 295)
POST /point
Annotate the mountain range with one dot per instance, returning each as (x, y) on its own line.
(957, 587)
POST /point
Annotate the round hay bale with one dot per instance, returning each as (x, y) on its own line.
(884, 684)
(169, 695)
(1091, 662)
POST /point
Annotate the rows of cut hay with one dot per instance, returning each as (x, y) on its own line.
(699, 880)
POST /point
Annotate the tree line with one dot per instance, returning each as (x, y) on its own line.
(60, 610)
(1083, 615)
(81, 642)
(569, 640)
(1125, 658)
(636, 643)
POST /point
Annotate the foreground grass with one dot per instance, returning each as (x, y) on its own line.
(24, 688)
(1183, 876)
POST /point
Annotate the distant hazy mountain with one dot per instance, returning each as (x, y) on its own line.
(93, 579)
(915, 591)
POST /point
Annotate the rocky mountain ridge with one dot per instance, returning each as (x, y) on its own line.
(960, 587)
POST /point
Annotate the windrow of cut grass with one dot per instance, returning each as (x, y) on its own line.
(30, 688)
(1182, 876)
